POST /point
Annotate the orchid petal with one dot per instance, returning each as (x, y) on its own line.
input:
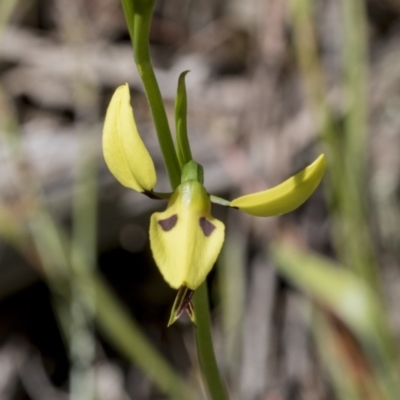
(285, 197)
(185, 239)
(124, 151)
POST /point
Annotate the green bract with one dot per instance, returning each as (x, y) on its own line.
(186, 239)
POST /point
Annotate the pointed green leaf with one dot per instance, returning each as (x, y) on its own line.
(124, 151)
(285, 197)
(182, 141)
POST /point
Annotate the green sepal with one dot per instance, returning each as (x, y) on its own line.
(182, 141)
(183, 302)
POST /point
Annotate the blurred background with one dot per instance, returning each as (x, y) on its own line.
(250, 125)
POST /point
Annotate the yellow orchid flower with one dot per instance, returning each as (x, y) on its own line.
(186, 239)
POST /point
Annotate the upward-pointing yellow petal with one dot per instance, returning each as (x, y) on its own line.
(124, 151)
(285, 197)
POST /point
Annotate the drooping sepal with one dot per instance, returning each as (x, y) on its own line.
(183, 302)
(285, 197)
(124, 151)
(186, 239)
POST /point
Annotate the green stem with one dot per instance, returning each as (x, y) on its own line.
(205, 348)
(141, 52)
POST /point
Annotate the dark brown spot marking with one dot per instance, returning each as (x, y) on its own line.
(168, 223)
(206, 226)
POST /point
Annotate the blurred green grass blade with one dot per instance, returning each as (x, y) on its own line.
(51, 247)
(328, 284)
(352, 301)
(127, 337)
(232, 287)
(343, 381)
(6, 9)
(354, 191)
(355, 70)
(346, 151)
(109, 313)
(82, 305)
(182, 143)
(10, 229)
(84, 218)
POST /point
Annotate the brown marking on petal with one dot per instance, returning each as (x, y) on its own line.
(206, 226)
(168, 223)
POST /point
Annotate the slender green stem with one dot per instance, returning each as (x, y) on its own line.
(138, 16)
(141, 24)
(205, 348)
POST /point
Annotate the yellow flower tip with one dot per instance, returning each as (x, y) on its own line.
(285, 197)
(185, 239)
(124, 151)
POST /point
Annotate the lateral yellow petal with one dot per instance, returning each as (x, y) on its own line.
(185, 239)
(285, 197)
(124, 151)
